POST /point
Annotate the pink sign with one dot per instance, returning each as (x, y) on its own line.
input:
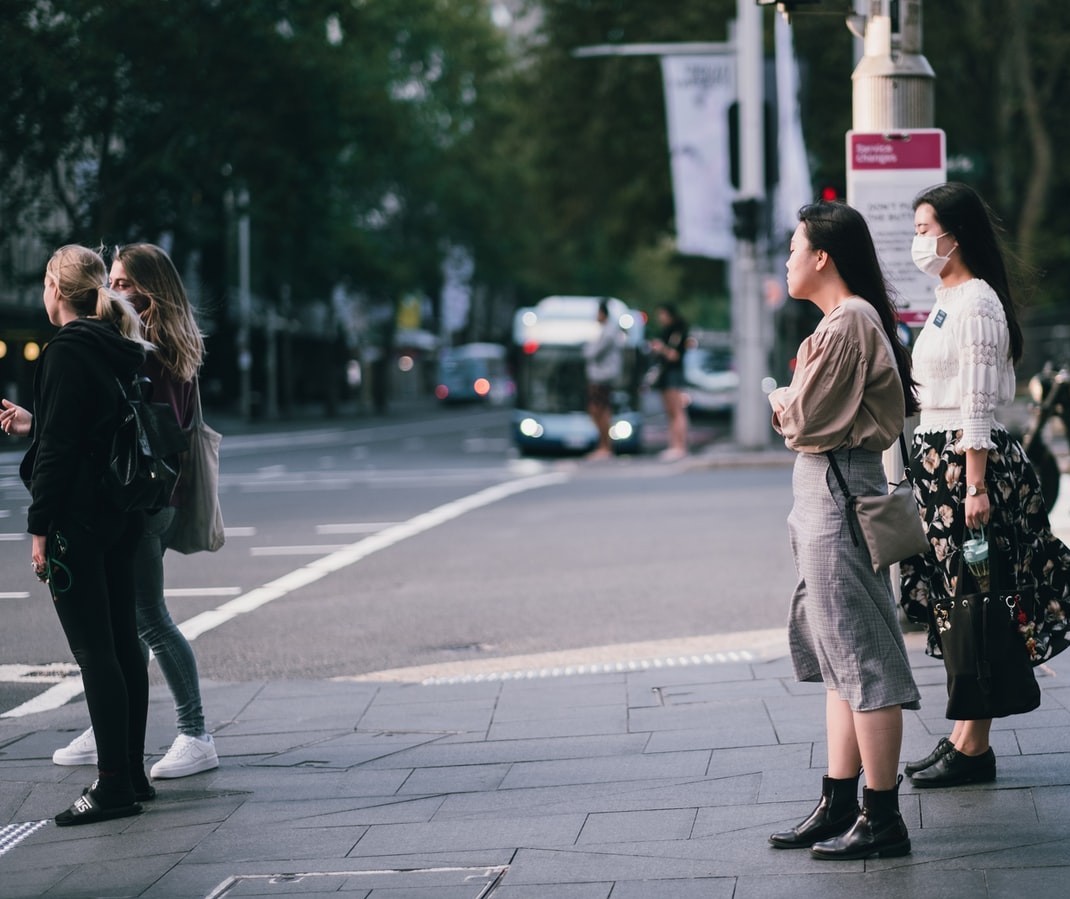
(911, 150)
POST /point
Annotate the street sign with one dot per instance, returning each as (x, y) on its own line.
(884, 174)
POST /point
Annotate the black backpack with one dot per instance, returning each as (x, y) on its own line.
(145, 457)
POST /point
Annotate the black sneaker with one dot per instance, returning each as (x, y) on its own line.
(912, 768)
(953, 768)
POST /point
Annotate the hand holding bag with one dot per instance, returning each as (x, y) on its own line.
(198, 518)
(989, 671)
(890, 524)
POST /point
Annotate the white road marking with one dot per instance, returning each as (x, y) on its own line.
(311, 549)
(239, 532)
(53, 673)
(12, 538)
(350, 554)
(17, 594)
(742, 646)
(183, 592)
(354, 527)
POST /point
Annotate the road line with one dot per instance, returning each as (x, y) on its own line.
(184, 592)
(354, 527)
(17, 594)
(308, 549)
(316, 570)
(742, 646)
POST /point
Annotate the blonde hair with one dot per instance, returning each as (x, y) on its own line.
(81, 281)
(168, 317)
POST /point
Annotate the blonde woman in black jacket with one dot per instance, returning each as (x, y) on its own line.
(82, 547)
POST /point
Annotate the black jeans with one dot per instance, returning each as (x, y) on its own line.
(92, 583)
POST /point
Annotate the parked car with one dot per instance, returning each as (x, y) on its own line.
(474, 372)
(712, 385)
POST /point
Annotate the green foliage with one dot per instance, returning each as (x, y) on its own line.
(371, 135)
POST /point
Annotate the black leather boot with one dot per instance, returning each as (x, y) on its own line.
(879, 830)
(835, 812)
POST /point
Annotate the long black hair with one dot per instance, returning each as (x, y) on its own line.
(842, 232)
(964, 215)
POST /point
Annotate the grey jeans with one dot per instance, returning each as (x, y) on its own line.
(156, 629)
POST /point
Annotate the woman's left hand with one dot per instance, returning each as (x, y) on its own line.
(38, 556)
(978, 511)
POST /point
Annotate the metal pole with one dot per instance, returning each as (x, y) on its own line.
(893, 83)
(751, 420)
(245, 307)
(892, 90)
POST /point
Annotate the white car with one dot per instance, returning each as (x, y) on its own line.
(712, 386)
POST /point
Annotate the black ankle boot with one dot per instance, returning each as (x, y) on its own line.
(879, 830)
(835, 812)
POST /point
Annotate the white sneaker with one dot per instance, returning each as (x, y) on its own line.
(82, 750)
(187, 755)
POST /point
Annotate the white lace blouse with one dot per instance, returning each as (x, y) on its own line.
(962, 364)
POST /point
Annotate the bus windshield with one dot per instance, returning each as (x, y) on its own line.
(552, 380)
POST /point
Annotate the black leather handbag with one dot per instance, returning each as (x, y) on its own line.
(989, 672)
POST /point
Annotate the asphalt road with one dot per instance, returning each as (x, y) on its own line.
(354, 549)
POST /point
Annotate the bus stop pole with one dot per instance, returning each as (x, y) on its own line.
(752, 414)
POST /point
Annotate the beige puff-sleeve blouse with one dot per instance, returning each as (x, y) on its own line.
(846, 391)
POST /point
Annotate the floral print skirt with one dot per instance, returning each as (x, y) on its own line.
(1019, 528)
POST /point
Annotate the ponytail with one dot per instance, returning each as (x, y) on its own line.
(117, 309)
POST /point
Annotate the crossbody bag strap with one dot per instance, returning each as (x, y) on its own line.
(906, 458)
(198, 417)
(849, 504)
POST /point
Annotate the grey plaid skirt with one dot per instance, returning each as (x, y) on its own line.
(842, 627)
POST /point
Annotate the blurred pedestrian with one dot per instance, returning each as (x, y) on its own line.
(669, 349)
(81, 546)
(968, 472)
(850, 390)
(604, 357)
(147, 277)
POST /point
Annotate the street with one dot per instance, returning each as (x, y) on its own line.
(354, 550)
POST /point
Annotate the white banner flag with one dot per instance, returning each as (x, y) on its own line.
(794, 188)
(698, 93)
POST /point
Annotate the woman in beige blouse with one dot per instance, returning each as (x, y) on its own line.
(847, 397)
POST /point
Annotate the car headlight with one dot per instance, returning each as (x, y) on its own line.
(529, 427)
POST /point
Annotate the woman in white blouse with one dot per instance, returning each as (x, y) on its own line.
(967, 471)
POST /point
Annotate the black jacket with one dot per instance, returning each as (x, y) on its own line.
(76, 407)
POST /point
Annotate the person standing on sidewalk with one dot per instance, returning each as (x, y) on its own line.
(82, 546)
(604, 358)
(145, 274)
(850, 391)
(967, 471)
(669, 348)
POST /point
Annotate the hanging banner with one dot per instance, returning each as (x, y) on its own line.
(699, 89)
(794, 188)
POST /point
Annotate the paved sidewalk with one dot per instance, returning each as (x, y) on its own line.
(663, 782)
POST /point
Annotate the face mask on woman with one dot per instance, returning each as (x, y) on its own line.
(923, 252)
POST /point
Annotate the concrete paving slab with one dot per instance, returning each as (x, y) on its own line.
(674, 794)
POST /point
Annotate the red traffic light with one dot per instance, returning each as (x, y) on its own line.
(829, 193)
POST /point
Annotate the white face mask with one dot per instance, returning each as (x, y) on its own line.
(923, 252)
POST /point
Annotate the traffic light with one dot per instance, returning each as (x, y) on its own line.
(830, 193)
(746, 218)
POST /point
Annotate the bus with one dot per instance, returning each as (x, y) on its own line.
(551, 386)
(473, 372)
